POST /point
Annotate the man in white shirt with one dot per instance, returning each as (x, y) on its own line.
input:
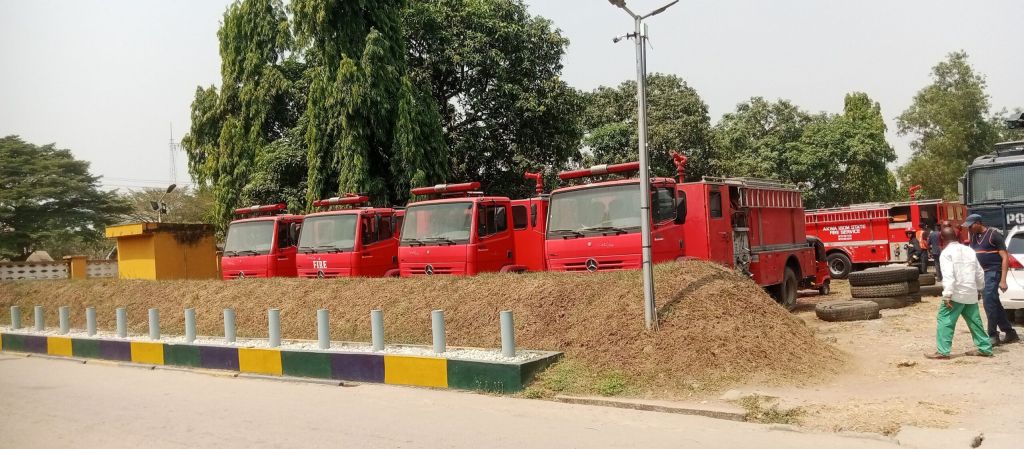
(962, 279)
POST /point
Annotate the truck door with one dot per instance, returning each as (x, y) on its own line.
(720, 227)
(666, 235)
(494, 249)
(380, 248)
(284, 255)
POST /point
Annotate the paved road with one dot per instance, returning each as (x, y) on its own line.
(47, 403)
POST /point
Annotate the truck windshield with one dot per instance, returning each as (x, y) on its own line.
(1004, 183)
(437, 223)
(597, 209)
(249, 238)
(328, 233)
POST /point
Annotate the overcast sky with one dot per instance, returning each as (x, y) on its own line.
(108, 78)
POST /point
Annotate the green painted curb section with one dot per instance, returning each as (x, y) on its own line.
(489, 376)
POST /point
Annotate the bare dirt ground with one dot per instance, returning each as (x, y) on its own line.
(889, 383)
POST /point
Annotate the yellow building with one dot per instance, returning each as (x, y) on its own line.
(165, 251)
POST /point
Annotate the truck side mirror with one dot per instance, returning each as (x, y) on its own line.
(293, 233)
(681, 209)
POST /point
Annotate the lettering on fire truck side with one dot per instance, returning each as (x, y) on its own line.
(844, 232)
(319, 264)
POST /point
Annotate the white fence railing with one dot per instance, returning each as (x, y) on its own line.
(13, 271)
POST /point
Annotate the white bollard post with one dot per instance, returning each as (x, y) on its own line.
(377, 329)
(508, 337)
(190, 325)
(90, 321)
(229, 325)
(122, 322)
(15, 317)
(40, 322)
(323, 331)
(274, 318)
(64, 319)
(154, 324)
(437, 325)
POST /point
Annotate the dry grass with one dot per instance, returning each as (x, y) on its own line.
(716, 328)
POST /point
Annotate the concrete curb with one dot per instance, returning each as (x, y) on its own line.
(723, 412)
(57, 357)
(297, 380)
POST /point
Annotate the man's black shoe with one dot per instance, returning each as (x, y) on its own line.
(995, 341)
(1014, 339)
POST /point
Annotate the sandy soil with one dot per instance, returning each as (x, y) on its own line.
(889, 382)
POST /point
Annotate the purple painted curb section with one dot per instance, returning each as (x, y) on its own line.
(35, 343)
(116, 350)
(358, 367)
(218, 357)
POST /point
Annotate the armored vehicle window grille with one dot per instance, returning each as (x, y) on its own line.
(1004, 183)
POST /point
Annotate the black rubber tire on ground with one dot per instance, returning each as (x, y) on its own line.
(878, 276)
(786, 292)
(913, 286)
(839, 265)
(914, 297)
(931, 290)
(847, 310)
(889, 302)
(926, 279)
(881, 290)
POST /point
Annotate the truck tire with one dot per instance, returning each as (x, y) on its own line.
(913, 298)
(926, 279)
(847, 310)
(786, 292)
(881, 290)
(839, 265)
(913, 273)
(913, 287)
(890, 302)
(878, 276)
(931, 291)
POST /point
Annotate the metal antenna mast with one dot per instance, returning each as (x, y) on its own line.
(172, 147)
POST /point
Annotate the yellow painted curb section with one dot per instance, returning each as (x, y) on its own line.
(58, 346)
(148, 353)
(259, 361)
(418, 371)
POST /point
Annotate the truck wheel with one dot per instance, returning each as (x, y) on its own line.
(931, 290)
(786, 292)
(846, 310)
(881, 290)
(914, 286)
(878, 276)
(839, 265)
(892, 302)
(826, 288)
(926, 279)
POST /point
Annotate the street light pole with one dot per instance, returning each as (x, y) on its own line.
(639, 34)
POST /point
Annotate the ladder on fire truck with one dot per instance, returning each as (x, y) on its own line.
(763, 193)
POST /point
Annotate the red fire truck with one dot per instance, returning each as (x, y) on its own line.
(261, 244)
(459, 230)
(754, 226)
(865, 235)
(357, 241)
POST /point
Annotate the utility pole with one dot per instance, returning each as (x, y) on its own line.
(172, 146)
(640, 36)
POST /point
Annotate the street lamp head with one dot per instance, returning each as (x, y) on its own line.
(171, 187)
(618, 3)
(662, 9)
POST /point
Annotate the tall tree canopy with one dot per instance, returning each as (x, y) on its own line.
(257, 103)
(677, 120)
(841, 159)
(494, 72)
(48, 196)
(951, 125)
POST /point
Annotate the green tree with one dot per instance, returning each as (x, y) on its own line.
(259, 100)
(677, 121)
(48, 196)
(844, 157)
(762, 139)
(1007, 134)
(493, 70)
(951, 125)
(369, 128)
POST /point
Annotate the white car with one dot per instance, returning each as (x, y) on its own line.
(1013, 297)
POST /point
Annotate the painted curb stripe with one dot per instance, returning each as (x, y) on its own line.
(147, 353)
(218, 357)
(358, 367)
(116, 350)
(259, 361)
(418, 371)
(58, 346)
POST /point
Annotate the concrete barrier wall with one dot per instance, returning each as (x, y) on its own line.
(436, 372)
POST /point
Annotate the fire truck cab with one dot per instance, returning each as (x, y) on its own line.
(754, 226)
(461, 231)
(866, 235)
(261, 244)
(357, 241)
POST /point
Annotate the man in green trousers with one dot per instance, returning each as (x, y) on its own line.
(962, 279)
